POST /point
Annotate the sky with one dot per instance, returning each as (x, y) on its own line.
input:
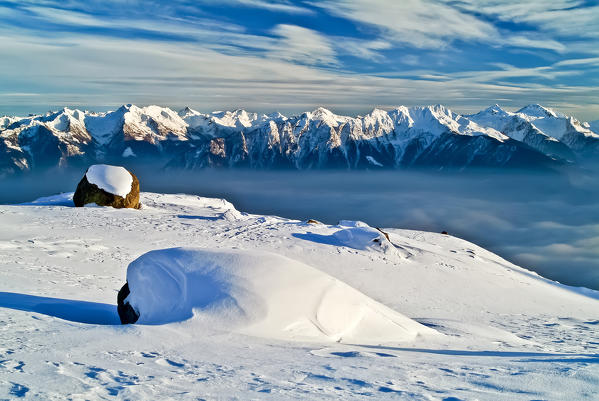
(290, 56)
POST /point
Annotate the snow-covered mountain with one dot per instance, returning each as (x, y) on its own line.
(402, 137)
(543, 129)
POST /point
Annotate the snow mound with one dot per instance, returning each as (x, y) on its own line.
(112, 179)
(360, 237)
(352, 223)
(260, 294)
(63, 199)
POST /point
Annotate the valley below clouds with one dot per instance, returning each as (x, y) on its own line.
(548, 223)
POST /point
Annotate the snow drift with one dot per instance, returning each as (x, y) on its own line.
(261, 294)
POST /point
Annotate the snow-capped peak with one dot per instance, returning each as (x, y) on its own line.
(494, 110)
(435, 118)
(378, 113)
(276, 116)
(536, 110)
(324, 116)
(187, 111)
(322, 113)
(378, 122)
(237, 118)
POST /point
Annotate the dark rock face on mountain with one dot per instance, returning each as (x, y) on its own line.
(431, 136)
(94, 192)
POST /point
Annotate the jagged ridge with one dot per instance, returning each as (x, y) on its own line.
(534, 136)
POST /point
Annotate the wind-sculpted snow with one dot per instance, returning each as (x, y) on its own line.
(533, 137)
(505, 332)
(259, 293)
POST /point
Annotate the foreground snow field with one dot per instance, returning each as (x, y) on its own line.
(480, 327)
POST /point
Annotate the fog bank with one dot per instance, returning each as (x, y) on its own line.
(545, 222)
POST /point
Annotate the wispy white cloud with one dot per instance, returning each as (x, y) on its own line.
(505, 71)
(67, 17)
(563, 18)
(211, 63)
(364, 49)
(64, 21)
(591, 61)
(103, 71)
(271, 5)
(535, 42)
(437, 24)
(302, 45)
(421, 23)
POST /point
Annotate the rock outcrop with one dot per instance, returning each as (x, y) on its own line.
(104, 187)
(127, 314)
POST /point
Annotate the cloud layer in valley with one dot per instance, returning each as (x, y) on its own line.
(547, 223)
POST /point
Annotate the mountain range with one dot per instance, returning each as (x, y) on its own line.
(430, 136)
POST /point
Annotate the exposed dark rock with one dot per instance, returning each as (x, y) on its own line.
(90, 193)
(312, 221)
(444, 232)
(127, 314)
(384, 233)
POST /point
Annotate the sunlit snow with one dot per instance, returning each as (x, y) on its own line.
(113, 179)
(261, 306)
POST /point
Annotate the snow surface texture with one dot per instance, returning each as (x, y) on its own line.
(262, 294)
(115, 180)
(507, 333)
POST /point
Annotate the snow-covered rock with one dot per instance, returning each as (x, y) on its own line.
(105, 185)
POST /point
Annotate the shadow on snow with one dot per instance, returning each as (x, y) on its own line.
(66, 309)
(319, 238)
(534, 356)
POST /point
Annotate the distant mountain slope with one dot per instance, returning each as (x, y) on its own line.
(544, 130)
(533, 137)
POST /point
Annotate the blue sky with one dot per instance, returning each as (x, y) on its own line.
(291, 56)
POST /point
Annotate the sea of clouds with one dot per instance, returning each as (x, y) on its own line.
(548, 223)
